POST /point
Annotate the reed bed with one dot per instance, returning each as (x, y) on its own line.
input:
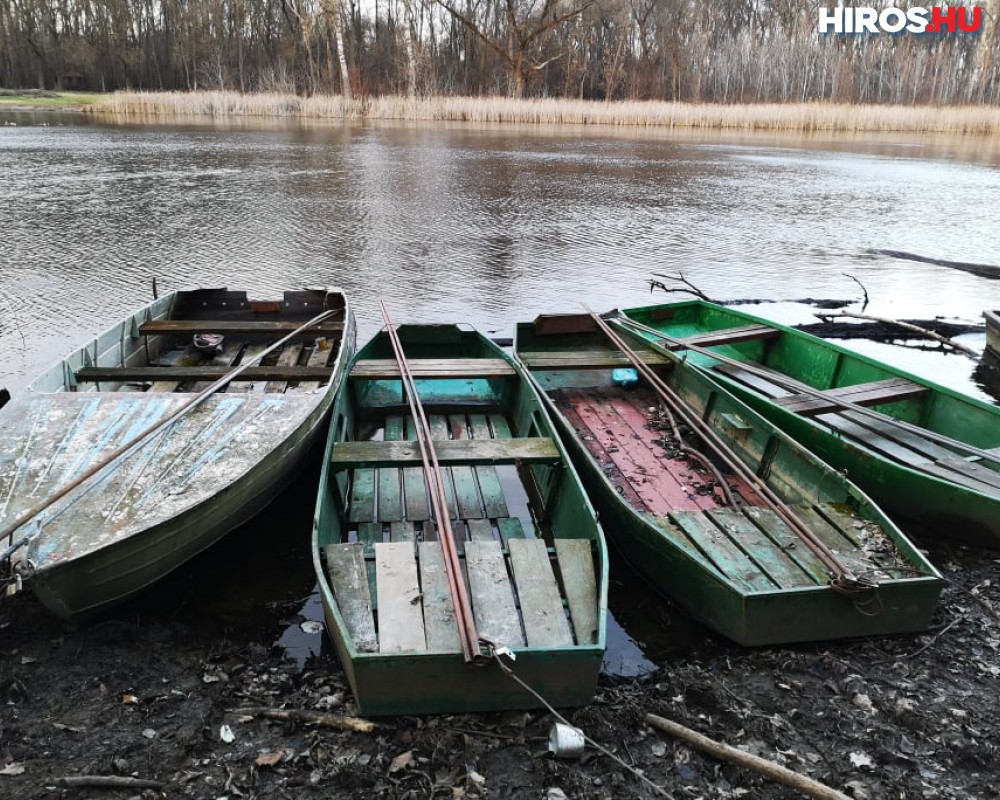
(811, 117)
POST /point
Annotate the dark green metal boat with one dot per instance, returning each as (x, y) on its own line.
(529, 544)
(733, 563)
(924, 452)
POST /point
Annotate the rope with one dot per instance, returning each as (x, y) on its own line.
(509, 671)
(467, 634)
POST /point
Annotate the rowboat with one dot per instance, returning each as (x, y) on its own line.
(137, 451)
(750, 533)
(525, 535)
(926, 453)
(992, 332)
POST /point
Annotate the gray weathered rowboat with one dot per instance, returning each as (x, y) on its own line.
(197, 477)
(527, 538)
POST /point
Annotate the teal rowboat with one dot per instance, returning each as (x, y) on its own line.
(924, 452)
(527, 537)
(209, 470)
(736, 567)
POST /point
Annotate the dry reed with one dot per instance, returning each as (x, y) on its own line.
(811, 117)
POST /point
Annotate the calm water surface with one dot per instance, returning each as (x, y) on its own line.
(481, 225)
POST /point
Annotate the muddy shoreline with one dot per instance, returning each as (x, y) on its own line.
(145, 693)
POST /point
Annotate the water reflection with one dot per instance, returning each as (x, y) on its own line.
(468, 223)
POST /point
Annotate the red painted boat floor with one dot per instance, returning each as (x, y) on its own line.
(614, 423)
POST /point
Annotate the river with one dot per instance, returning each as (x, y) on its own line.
(479, 224)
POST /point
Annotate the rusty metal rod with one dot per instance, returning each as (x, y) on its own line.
(468, 636)
(796, 386)
(841, 575)
(128, 447)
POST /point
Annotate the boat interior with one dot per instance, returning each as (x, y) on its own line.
(193, 338)
(526, 542)
(628, 433)
(783, 368)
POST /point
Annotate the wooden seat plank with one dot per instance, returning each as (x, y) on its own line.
(741, 333)
(440, 626)
(492, 595)
(576, 566)
(362, 503)
(385, 369)
(780, 568)
(545, 623)
(236, 326)
(716, 545)
(400, 612)
(349, 581)
(588, 359)
(863, 394)
(467, 452)
(790, 543)
(199, 373)
(494, 503)
(390, 490)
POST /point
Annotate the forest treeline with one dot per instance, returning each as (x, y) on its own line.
(727, 51)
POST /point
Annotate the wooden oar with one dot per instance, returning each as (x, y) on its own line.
(795, 386)
(133, 443)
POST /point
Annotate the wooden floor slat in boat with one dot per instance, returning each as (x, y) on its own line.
(349, 579)
(493, 604)
(576, 566)
(466, 488)
(615, 423)
(439, 613)
(778, 566)
(843, 548)
(542, 613)
(417, 501)
(400, 612)
(727, 556)
(389, 483)
(788, 542)
(489, 483)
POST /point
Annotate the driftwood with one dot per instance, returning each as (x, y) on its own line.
(908, 327)
(108, 782)
(768, 769)
(982, 270)
(690, 288)
(310, 718)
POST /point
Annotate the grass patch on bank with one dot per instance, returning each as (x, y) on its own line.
(819, 116)
(40, 98)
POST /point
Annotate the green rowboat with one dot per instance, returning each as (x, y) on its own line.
(736, 567)
(528, 540)
(924, 452)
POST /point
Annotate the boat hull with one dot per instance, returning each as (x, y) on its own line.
(207, 471)
(891, 467)
(434, 678)
(705, 578)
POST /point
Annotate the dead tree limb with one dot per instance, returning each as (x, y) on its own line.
(310, 718)
(691, 288)
(768, 769)
(906, 326)
(864, 291)
(108, 782)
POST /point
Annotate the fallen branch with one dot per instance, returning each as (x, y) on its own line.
(108, 782)
(768, 769)
(905, 326)
(310, 718)
(864, 305)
